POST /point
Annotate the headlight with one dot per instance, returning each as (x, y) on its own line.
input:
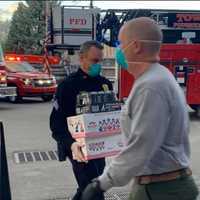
(3, 78)
(40, 82)
(27, 81)
(53, 79)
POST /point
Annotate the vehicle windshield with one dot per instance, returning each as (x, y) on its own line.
(20, 67)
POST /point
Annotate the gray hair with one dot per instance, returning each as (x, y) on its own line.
(85, 47)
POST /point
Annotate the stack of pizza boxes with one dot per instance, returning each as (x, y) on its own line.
(97, 124)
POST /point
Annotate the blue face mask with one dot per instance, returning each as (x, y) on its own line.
(120, 58)
(94, 70)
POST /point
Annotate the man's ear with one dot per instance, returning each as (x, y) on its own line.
(137, 47)
(81, 56)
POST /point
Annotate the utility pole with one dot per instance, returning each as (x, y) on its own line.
(46, 39)
(91, 3)
(46, 15)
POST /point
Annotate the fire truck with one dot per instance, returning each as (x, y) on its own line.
(5, 91)
(29, 82)
(179, 52)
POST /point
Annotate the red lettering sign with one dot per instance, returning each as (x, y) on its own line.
(77, 21)
(187, 25)
(187, 18)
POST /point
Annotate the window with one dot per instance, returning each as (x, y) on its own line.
(20, 67)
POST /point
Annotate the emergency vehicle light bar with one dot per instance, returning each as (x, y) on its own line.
(12, 58)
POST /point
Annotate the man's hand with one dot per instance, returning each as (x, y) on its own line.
(93, 192)
(77, 152)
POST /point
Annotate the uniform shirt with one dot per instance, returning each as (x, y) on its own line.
(155, 124)
(65, 105)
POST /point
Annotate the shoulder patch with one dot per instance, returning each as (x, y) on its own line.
(105, 87)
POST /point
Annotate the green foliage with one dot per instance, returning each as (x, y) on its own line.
(28, 27)
(4, 31)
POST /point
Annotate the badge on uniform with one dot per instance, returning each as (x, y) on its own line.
(105, 87)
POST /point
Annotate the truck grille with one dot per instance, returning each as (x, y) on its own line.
(43, 83)
(7, 91)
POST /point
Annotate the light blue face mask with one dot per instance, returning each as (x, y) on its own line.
(120, 57)
(94, 70)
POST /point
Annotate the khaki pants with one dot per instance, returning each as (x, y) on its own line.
(183, 188)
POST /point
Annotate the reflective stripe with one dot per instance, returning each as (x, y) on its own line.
(55, 104)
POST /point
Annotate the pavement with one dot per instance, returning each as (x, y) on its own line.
(27, 131)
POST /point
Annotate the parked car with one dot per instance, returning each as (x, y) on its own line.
(29, 81)
(5, 91)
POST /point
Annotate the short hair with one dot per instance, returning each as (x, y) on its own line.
(145, 28)
(85, 47)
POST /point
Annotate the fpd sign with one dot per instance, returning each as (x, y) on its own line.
(77, 21)
(73, 26)
(184, 20)
(77, 18)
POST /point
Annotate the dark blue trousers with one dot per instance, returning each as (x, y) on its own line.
(85, 173)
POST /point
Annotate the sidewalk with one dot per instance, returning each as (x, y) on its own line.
(48, 180)
(51, 180)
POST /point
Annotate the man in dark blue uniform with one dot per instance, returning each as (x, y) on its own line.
(87, 78)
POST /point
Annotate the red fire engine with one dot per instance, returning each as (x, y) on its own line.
(5, 91)
(182, 58)
(184, 62)
(28, 81)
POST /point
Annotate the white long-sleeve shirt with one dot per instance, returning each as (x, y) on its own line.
(155, 124)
